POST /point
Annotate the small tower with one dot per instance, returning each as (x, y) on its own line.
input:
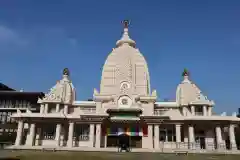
(62, 93)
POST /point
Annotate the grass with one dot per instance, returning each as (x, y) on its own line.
(37, 155)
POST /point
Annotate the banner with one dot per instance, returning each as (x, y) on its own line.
(130, 131)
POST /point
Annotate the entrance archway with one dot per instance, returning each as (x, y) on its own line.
(124, 140)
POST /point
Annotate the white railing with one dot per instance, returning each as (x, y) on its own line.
(193, 146)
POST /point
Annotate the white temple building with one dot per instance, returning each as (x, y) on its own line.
(125, 104)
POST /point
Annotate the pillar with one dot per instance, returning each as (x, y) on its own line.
(105, 141)
(42, 109)
(70, 134)
(91, 135)
(185, 111)
(98, 136)
(232, 137)
(178, 134)
(46, 108)
(156, 136)
(193, 110)
(65, 111)
(209, 110)
(30, 138)
(219, 137)
(185, 135)
(58, 134)
(38, 136)
(19, 133)
(205, 111)
(191, 137)
(150, 136)
(57, 108)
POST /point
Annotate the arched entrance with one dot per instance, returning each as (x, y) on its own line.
(124, 142)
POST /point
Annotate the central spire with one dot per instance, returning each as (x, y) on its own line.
(125, 37)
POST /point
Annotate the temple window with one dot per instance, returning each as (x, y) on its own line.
(82, 132)
(8, 117)
(5, 104)
(198, 111)
(51, 108)
(70, 109)
(20, 104)
(124, 101)
(49, 132)
(61, 108)
(167, 135)
(2, 117)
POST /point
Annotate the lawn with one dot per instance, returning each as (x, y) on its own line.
(37, 155)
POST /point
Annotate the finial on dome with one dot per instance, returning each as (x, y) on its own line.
(125, 37)
(185, 73)
(66, 72)
(126, 23)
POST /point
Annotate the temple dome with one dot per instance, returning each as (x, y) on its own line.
(125, 64)
(63, 91)
(188, 92)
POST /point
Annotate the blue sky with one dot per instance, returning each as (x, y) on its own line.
(39, 38)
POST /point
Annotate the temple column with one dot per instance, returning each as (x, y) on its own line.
(91, 135)
(46, 108)
(38, 136)
(57, 108)
(70, 134)
(209, 110)
(191, 137)
(205, 111)
(42, 109)
(65, 111)
(19, 133)
(98, 136)
(185, 131)
(178, 134)
(30, 138)
(156, 136)
(219, 137)
(105, 141)
(232, 137)
(193, 110)
(58, 134)
(150, 136)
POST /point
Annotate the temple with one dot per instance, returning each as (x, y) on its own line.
(125, 104)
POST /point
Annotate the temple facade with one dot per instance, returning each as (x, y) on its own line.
(125, 105)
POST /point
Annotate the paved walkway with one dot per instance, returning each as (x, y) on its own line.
(115, 149)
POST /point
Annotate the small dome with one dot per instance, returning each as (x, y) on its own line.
(63, 91)
(188, 92)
